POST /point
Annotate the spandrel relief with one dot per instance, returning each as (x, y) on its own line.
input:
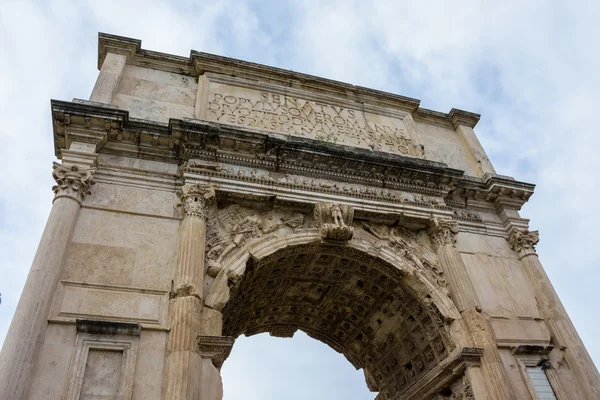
(405, 243)
(233, 226)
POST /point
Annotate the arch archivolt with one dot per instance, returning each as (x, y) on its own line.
(378, 298)
(236, 234)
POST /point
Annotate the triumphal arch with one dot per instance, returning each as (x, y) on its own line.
(198, 199)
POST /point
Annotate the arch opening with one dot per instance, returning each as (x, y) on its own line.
(265, 367)
(354, 302)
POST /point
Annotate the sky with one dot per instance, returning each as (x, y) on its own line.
(530, 68)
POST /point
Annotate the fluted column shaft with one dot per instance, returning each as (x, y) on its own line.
(442, 234)
(184, 366)
(28, 327)
(564, 335)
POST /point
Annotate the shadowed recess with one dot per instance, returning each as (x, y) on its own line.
(353, 302)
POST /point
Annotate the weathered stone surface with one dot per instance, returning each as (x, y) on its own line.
(233, 198)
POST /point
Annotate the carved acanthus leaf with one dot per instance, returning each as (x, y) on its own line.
(72, 181)
(195, 199)
(334, 220)
(442, 232)
(523, 241)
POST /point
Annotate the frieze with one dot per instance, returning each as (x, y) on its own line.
(466, 215)
(320, 185)
(186, 139)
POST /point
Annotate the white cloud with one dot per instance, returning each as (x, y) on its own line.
(528, 67)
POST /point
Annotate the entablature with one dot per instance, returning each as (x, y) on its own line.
(294, 169)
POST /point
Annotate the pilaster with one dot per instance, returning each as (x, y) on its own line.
(109, 78)
(564, 335)
(464, 122)
(184, 362)
(442, 234)
(28, 327)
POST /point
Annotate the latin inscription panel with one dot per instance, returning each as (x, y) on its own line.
(294, 115)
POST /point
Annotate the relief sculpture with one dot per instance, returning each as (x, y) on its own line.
(403, 242)
(233, 226)
(334, 220)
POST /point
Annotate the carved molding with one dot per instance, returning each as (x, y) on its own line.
(72, 181)
(334, 220)
(100, 327)
(523, 241)
(85, 342)
(195, 199)
(217, 348)
(466, 215)
(442, 232)
(339, 183)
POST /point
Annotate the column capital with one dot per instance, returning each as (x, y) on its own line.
(442, 232)
(195, 199)
(523, 241)
(72, 181)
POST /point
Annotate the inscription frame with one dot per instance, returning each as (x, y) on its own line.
(323, 117)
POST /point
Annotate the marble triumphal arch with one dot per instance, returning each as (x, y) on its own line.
(202, 198)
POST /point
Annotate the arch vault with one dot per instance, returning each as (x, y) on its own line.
(391, 320)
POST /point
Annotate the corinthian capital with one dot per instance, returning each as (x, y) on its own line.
(523, 241)
(442, 232)
(195, 199)
(71, 181)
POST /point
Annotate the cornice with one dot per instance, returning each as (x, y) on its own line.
(452, 120)
(495, 190)
(465, 118)
(199, 63)
(84, 117)
(204, 62)
(117, 44)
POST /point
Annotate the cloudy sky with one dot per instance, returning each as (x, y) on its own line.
(531, 68)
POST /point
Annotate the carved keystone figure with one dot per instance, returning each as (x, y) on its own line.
(334, 220)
